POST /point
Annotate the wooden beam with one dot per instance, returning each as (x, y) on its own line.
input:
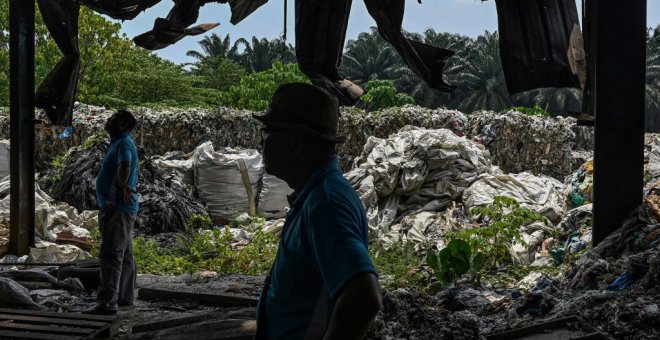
(231, 329)
(220, 300)
(21, 121)
(618, 49)
(247, 313)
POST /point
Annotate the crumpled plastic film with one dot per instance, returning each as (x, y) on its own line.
(533, 234)
(15, 295)
(414, 169)
(176, 163)
(54, 220)
(4, 158)
(581, 185)
(631, 251)
(48, 252)
(540, 193)
(578, 219)
(519, 142)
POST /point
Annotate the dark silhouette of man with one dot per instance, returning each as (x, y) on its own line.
(117, 198)
(323, 284)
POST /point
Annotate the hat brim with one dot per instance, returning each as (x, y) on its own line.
(298, 127)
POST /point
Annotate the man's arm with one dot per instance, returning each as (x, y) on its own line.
(122, 181)
(356, 307)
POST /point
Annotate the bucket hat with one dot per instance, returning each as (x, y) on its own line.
(305, 108)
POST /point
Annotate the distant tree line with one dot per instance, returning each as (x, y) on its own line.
(244, 73)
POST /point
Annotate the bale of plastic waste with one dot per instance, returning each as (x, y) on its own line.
(273, 194)
(542, 145)
(227, 180)
(163, 130)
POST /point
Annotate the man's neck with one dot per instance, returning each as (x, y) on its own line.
(300, 178)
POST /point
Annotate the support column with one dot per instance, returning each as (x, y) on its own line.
(617, 46)
(21, 93)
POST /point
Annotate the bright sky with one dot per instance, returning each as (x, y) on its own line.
(466, 17)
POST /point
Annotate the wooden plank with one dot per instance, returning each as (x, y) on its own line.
(107, 331)
(26, 335)
(220, 300)
(230, 329)
(195, 318)
(53, 320)
(49, 328)
(77, 316)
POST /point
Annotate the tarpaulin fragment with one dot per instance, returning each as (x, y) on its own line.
(534, 43)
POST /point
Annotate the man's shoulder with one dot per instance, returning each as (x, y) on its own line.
(127, 141)
(333, 189)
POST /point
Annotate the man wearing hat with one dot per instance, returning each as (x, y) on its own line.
(322, 284)
(117, 198)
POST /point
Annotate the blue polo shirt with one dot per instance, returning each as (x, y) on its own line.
(324, 244)
(121, 149)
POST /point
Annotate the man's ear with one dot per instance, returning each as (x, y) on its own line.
(296, 140)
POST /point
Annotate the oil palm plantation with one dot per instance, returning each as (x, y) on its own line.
(370, 57)
(259, 54)
(215, 46)
(413, 85)
(479, 77)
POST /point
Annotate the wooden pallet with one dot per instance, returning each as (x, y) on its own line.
(27, 324)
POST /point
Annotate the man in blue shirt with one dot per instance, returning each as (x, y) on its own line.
(323, 284)
(117, 198)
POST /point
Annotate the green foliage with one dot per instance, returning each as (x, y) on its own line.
(255, 90)
(198, 222)
(203, 249)
(95, 235)
(454, 261)
(113, 71)
(382, 94)
(536, 110)
(59, 161)
(94, 140)
(217, 73)
(260, 54)
(398, 266)
(501, 222)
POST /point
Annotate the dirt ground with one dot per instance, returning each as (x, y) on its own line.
(464, 313)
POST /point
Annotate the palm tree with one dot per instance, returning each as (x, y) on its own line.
(214, 46)
(260, 54)
(410, 83)
(369, 57)
(479, 77)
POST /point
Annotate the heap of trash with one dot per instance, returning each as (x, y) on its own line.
(419, 174)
